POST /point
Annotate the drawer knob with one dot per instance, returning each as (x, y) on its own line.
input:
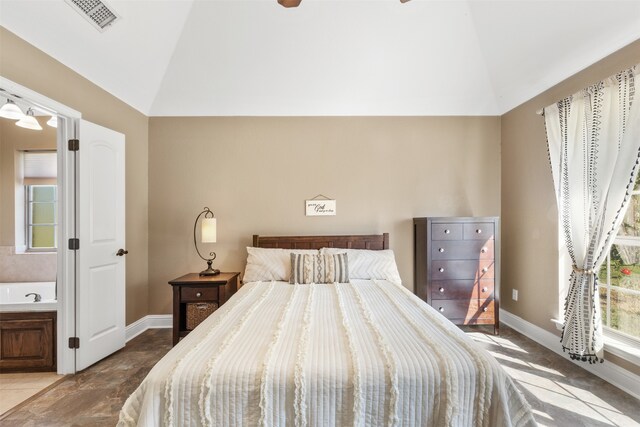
(441, 289)
(479, 230)
(441, 270)
(441, 250)
(447, 231)
(441, 309)
(483, 250)
(485, 289)
(484, 309)
(484, 270)
(198, 294)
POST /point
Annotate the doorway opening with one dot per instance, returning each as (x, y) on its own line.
(37, 274)
(81, 218)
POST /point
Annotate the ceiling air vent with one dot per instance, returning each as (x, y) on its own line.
(96, 12)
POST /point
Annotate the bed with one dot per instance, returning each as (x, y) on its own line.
(363, 353)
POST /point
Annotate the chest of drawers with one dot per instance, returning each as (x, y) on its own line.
(457, 267)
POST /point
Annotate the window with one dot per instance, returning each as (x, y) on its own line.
(41, 217)
(620, 277)
(37, 201)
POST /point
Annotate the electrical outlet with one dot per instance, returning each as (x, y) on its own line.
(514, 294)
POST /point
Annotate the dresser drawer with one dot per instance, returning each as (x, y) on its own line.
(456, 270)
(461, 289)
(486, 289)
(462, 249)
(194, 294)
(466, 312)
(445, 231)
(478, 231)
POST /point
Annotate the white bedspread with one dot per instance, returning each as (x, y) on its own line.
(366, 353)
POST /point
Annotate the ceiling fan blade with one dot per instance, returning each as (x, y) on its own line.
(290, 3)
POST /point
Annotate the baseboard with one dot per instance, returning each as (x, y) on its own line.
(152, 321)
(611, 373)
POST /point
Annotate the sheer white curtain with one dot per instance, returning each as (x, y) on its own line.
(593, 138)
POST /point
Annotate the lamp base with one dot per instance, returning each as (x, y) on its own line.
(210, 272)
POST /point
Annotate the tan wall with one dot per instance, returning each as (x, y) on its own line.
(255, 174)
(529, 213)
(20, 267)
(30, 67)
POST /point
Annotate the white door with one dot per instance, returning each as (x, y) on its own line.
(100, 283)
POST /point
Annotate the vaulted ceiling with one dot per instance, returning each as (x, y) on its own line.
(345, 57)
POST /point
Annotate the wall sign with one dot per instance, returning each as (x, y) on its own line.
(320, 207)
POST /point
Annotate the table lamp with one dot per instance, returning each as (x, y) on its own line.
(208, 235)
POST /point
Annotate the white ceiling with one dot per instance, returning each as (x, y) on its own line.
(346, 57)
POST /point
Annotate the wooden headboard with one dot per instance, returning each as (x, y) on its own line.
(372, 242)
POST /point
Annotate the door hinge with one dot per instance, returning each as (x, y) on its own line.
(74, 244)
(74, 342)
(74, 144)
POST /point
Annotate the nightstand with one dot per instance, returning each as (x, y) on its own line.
(195, 297)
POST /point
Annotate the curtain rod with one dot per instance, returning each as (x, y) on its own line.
(540, 112)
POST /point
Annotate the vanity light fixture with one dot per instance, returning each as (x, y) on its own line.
(11, 111)
(29, 121)
(53, 121)
(208, 235)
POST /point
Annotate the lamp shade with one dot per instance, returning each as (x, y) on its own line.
(53, 121)
(29, 121)
(11, 111)
(209, 231)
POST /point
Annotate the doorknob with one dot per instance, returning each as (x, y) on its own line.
(121, 252)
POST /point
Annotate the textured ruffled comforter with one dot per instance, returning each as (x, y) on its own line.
(365, 353)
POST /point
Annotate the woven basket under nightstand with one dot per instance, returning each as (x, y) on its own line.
(197, 312)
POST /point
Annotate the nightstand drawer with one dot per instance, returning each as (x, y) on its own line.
(193, 294)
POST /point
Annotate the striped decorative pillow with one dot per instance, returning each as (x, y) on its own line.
(306, 268)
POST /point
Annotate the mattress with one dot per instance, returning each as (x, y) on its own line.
(365, 353)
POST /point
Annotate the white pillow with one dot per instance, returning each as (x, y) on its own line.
(368, 264)
(267, 264)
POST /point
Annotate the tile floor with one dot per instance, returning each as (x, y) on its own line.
(16, 388)
(94, 396)
(560, 393)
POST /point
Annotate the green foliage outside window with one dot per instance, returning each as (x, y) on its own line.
(620, 294)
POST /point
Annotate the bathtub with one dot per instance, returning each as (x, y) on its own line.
(28, 327)
(12, 296)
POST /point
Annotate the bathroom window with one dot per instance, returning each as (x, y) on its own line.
(39, 200)
(41, 218)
